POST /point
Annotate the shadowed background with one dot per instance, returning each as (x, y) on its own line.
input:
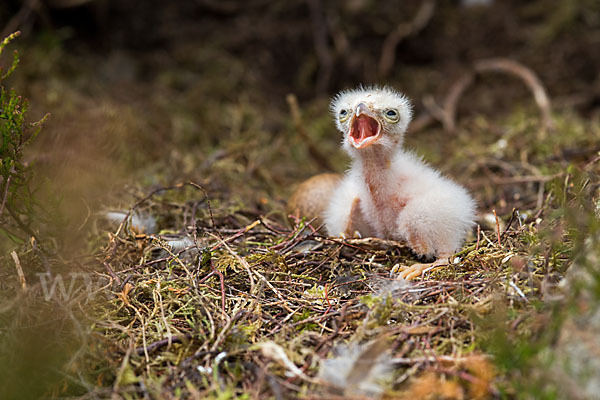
(132, 85)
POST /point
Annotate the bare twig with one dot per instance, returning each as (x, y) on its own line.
(528, 77)
(320, 37)
(497, 228)
(496, 180)
(25, 228)
(161, 343)
(123, 366)
(436, 111)
(68, 3)
(447, 113)
(111, 272)
(452, 98)
(20, 17)
(20, 273)
(402, 31)
(5, 196)
(512, 218)
(236, 235)
(421, 122)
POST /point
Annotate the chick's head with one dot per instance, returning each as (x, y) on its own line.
(371, 116)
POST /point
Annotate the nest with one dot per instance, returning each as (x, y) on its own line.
(236, 302)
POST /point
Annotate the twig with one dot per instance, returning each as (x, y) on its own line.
(20, 17)
(591, 162)
(504, 65)
(111, 272)
(519, 291)
(437, 112)
(15, 257)
(320, 36)
(515, 179)
(87, 217)
(242, 261)
(402, 31)
(20, 223)
(512, 218)
(451, 100)
(157, 295)
(5, 194)
(123, 367)
(164, 189)
(215, 271)
(68, 3)
(369, 244)
(161, 343)
(421, 122)
(326, 292)
(236, 235)
(222, 281)
(528, 77)
(497, 228)
(265, 280)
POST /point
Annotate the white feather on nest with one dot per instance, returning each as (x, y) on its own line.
(358, 370)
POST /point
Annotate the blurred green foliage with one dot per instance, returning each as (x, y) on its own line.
(17, 205)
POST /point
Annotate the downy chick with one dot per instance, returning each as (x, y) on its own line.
(389, 192)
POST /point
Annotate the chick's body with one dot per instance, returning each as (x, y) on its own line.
(401, 199)
(389, 192)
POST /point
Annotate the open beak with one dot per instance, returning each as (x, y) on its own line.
(364, 127)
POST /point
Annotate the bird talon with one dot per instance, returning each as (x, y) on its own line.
(396, 269)
(417, 272)
(410, 272)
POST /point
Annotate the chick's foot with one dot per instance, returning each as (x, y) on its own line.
(410, 272)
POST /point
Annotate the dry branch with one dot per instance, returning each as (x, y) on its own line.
(402, 31)
(528, 77)
(20, 273)
(447, 113)
(20, 17)
(320, 38)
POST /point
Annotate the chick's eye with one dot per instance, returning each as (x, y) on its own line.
(391, 115)
(343, 115)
